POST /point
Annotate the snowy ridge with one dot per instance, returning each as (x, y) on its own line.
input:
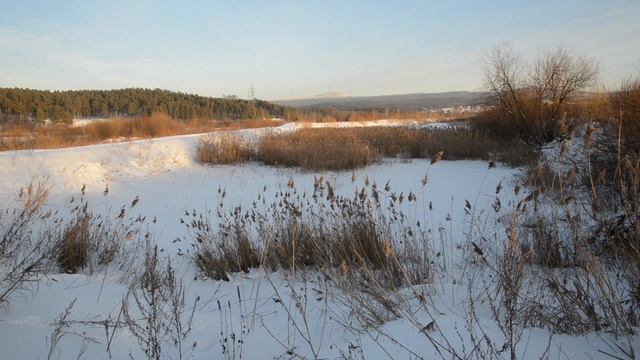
(70, 168)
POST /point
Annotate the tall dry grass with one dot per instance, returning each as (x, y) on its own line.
(576, 235)
(335, 115)
(344, 149)
(226, 149)
(157, 125)
(89, 242)
(25, 247)
(344, 236)
(312, 149)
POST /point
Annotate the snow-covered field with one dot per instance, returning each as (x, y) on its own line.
(256, 307)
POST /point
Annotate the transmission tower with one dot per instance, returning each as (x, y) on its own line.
(252, 100)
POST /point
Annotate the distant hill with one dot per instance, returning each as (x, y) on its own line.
(61, 106)
(405, 102)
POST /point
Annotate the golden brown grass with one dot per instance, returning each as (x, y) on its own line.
(346, 115)
(337, 149)
(212, 149)
(157, 125)
(344, 149)
(316, 149)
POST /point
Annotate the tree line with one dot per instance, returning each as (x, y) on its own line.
(61, 106)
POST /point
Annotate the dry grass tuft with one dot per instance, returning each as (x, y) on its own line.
(74, 247)
(89, 242)
(222, 150)
(312, 149)
(352, 238)
(227, 251)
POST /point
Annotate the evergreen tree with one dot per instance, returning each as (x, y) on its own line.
(62, 106)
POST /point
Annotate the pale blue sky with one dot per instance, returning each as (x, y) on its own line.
(293, 49)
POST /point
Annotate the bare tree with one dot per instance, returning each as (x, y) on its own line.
(504, 79)
(533, 97)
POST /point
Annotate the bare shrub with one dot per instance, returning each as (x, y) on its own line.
(531, 99)
(61, 329)
(155, 309)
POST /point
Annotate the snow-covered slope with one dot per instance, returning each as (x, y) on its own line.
(95, 166)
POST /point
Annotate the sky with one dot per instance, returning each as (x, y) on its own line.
(300, 48)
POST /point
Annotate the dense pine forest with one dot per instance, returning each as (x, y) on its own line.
(62, 106)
